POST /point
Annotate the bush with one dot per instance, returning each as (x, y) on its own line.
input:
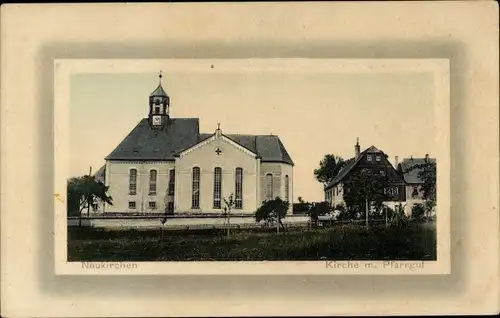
(418, 212)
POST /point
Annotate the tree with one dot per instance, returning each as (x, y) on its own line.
(417, 212)
(366, 189)
(317, 209)
(329, 168)
(229, 204)
(301, 200)
(427, 173)
(272, 211)
(84, 192)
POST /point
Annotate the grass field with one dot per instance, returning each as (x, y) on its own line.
(414, 242)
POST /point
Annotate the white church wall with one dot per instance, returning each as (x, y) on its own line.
(287, 170)
(204, 156)
(278, 171)
(117, 178)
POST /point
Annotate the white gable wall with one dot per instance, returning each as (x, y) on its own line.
(204, 156)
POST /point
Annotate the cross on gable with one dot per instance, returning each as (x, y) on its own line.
(218, 151)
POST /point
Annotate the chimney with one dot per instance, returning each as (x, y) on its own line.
(426, 157)
(356, 149)
(396, 161)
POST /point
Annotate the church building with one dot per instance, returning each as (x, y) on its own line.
(165, 165)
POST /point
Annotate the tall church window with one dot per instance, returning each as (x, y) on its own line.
(171, 182)
(269, 186)
(152, 182)
(239, 189)
(287, 194)
(195, 198)
(132, 184)
(217, 187)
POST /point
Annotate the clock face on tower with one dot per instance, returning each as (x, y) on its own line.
(156, 120)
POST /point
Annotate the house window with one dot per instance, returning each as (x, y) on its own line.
(132, 186)
(152, 182)
(157, 109)
(239, 188)
(131, 204)
(287, 186)
(377, 158)
(94, 207)
(171, 182)
(391, 191)
(382, 172)
(369, 157)
(415, 191)
(152, 204)
(195, 195)
(217, 187)
(269, 186)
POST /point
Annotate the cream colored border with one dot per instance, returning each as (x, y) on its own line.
(32, 35)
(438, 67)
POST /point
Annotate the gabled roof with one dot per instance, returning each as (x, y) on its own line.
(269, 147)
(145, 143)
(100, 175)
(411, 176)
(349, 164)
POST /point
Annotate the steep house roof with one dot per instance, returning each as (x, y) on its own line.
(351, 163)
(144, 143)
(411, 175)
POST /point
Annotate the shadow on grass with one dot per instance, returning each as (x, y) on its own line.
(414, 242)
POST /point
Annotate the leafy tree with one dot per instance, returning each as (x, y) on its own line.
(272, 211)
(366, 189)
(85, 191)
(319, 208)
(427, 173)
(329, 168)
(301, 200)
(417, 212)
(229, 203)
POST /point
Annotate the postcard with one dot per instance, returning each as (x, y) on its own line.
(250, 166)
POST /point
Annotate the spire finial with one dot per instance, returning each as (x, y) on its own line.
(160, 75)
(357, 140)
(218, 126)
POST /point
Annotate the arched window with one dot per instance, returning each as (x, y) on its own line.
(287, 188)
(269, 186)
(152, 182)
(217, 187)
(195, 196)
(239, 189)
(171, 182)
(132, 183)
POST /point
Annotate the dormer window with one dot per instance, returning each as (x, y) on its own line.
(377, 158)
(369, 157)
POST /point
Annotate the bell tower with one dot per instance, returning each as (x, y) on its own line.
(159, 106)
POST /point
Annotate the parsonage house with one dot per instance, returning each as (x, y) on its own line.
(404, 181)
(411, 174)
(165, 165)
(375, 160)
